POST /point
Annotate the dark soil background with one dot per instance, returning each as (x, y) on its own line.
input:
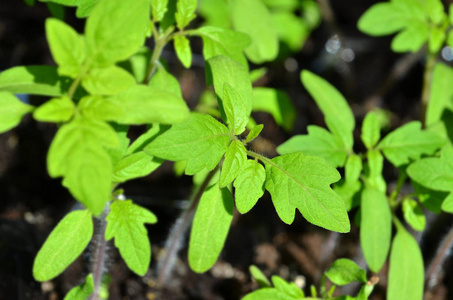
(31, 203)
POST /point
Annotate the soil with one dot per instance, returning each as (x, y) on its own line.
(31, 203)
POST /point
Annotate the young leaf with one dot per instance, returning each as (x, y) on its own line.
(447, 205)
(55, 110)
(375, 228)
(210, 227)
(373, 171)
(115, 30)
(143, 105)
(83, 291)
(353, 168)
(201, 140)
(277, 103)
(185, 12)
(259, 277)
(134, 166)
(408, 143)
(249, 185)
(291, 29)
(64, 244)
(253, 18)
(338, 115)
(236, 113)
(298, 181)
(235, 158)
(107, 81)
(413, 214)
(165, 81)
(429, 198)
(183, 51)
(406, 274)
(436, 39)
(267, 293)
(344, 271)
(223, 41)
(412, 37)
(371, 130)
(35, 80)
(288, 289)
(77, 154)
(318, 142)
(254, 132)
(67, 47)
(440, 93)
(158, 8)
(100, 108)
(11, 111)
(125, 223)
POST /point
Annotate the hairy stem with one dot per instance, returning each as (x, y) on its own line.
(427, 76)
(99, 252)
(160, 41)
(178, 232)
(435, 267)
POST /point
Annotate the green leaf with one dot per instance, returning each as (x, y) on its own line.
(11, 111)
(311, 13)
(55, 110)
(375, 228)
(259, 277)
(249, 185)
(298, 181)
(344, 271)
(64, 244)
(185, 12)
(338, 115)
(447, 205)
(223, 41)
(210, 227)
(83, 291)
(267, 294)
(143, 105)
(235, 158)
(289, 289)
(77, 154)
(436, 39)
(253, 18)
(67, 47)
(318, 142)
(408, 143)
(215, 13)
(183, 51)
(158, 8)
(411, 38)
(291, 29)
(254, 132)
(235, 111)
(277, 103)
(406, 274)
(36, 80)
(371, 130)
(413, 214)
(353, 168)
(441, 93)
(373, 171)
(201, 140)
(134, 166)
(107, 81)
(165, 81)
(430, 199)
(100, 108)
(225, 70)
(115, 30)
(126, 223)
(84, 7)
(436, 11)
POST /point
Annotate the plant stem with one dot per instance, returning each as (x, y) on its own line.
(177, 233)
(160, 41)
(427, 76)
(435, 267)
(99, 252)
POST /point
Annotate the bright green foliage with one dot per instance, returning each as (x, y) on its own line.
(319, 142)
(375, 228)
(84, 7)
(371, 130)
(11, 111)
(344, 271)
(215, 13)
(406, 274)
(36, 80)
(126, 224)
(235, 158)
(447, 205)
(83, 291)
(249, 185)
(311, 13)
(134, 166)
(413, 214)
(107, 81)
(156, 106)
(158, 8)
(254, 132)
(253, 18)
(185, 12)
(210, 227)
(267, 294)
(110, 20)
(55, 110)
(337, 114)
(222, 41)
(99, 108)
(235, 111)
(165, 81)
(64, 244)
(298, 181)
(201, 140)
(277, 103)
(67, 47)
(441, 93)
(430, 199)
(373, 171)
(409, 142)
(290, 289)
(259, 277)
(282, 290)
(183, 51)
(77, 154)
(349, 187)
(290, 29)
